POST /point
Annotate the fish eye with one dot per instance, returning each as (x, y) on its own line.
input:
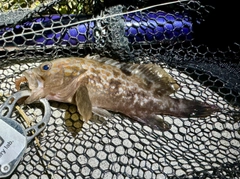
(46, 67)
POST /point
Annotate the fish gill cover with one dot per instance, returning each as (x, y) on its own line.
(196, 42)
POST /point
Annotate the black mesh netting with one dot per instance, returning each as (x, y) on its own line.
(196, 42)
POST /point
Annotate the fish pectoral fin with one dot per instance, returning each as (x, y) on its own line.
(83, 103)
(101, 112)
(155, 122)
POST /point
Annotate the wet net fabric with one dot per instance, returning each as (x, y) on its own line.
(171, 35)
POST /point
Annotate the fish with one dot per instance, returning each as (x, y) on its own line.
(102, 86)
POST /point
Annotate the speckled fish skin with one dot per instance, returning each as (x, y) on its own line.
(99, 85)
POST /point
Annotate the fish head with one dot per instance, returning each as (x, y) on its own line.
(53, 80)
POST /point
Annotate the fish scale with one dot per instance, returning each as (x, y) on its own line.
(99, 84)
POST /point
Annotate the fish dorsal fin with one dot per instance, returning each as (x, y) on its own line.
(154, 76)
(106, 60)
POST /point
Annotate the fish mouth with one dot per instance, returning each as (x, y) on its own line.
(33, 80)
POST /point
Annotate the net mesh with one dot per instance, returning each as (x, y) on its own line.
(170, 35)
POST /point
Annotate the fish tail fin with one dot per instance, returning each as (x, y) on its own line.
(179, 108)
(190, 108)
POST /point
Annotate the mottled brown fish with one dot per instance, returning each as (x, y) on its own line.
(99, 85)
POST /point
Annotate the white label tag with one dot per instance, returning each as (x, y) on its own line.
(12, 143)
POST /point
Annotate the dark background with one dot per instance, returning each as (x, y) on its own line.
(221, 26)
